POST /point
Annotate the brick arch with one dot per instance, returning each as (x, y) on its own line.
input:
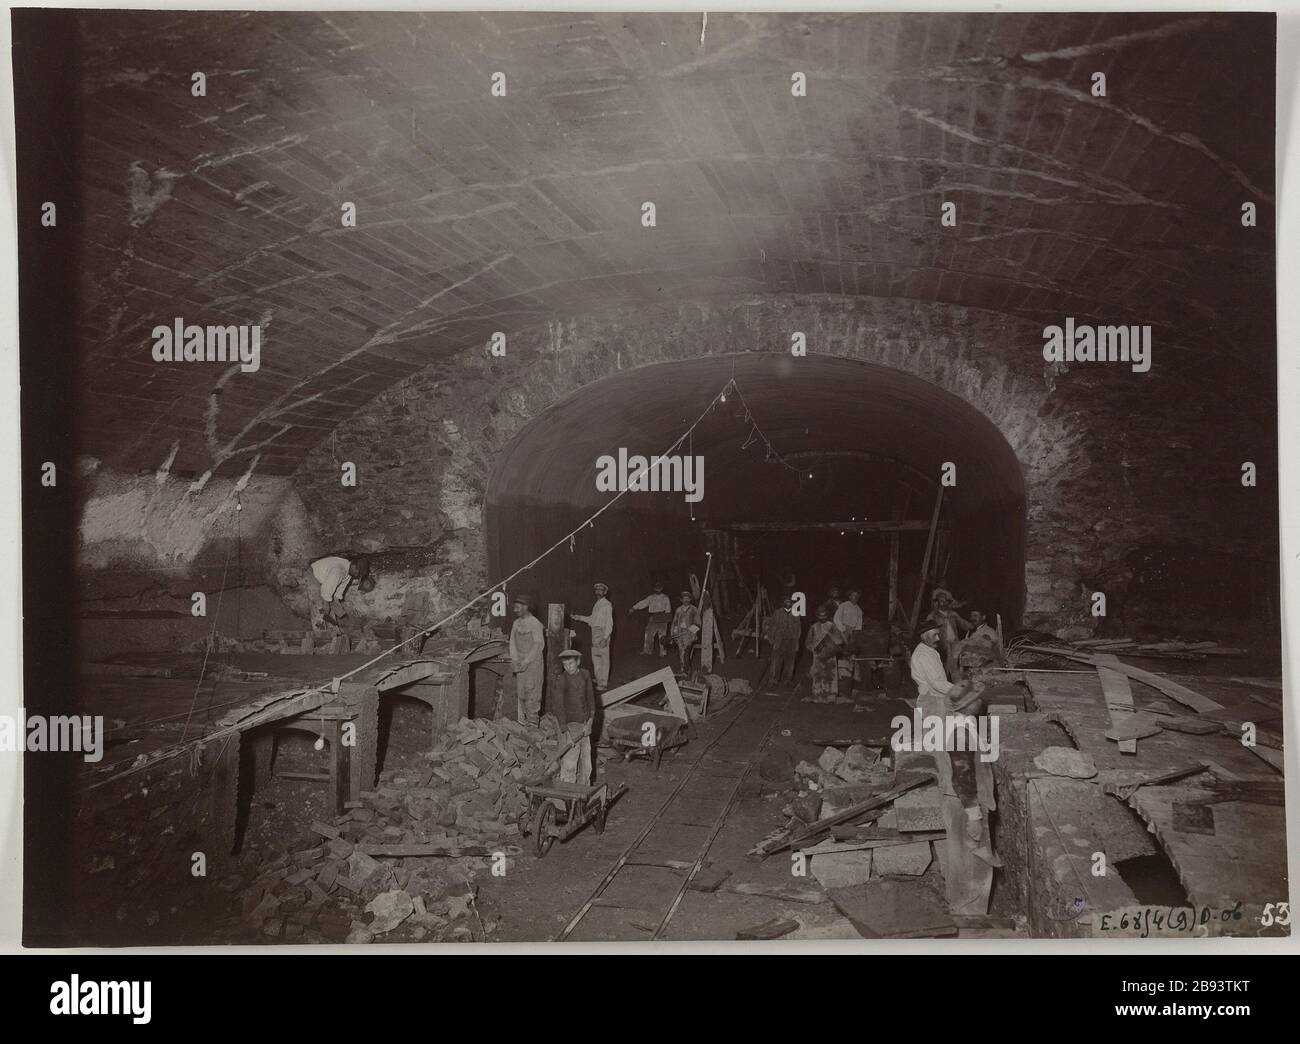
(988, 362)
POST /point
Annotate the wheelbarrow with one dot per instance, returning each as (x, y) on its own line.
(560, 810)
(646, 734)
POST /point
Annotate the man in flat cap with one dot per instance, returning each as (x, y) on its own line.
(527, 643)
(574, 705)
(601, 622)
(685, 629)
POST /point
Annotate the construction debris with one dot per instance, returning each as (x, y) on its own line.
(1168, 649)
(404, 856)
(1066, 761)
(1200, 704)
(842, 869)
(903, 860)
(895, 910)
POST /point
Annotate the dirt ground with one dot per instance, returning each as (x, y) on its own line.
(538, 897)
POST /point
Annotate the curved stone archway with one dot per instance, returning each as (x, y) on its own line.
(869, 442)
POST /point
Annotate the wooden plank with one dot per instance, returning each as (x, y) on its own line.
(1119, 697)
(417, 670)
(434, 849)
(889, 526)
(1200, 704)
(707, 629)
(664, 676)
(925, 563)
(776, 844)
(831, 847)
(1273, 757)
(893, 576)
(775, 891)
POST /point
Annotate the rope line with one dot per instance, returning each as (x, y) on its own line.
(332, 685)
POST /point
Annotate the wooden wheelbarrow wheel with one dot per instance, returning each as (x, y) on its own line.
(543, 820)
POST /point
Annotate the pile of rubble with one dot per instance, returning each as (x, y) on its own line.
(404, 861)
(482, 766)
(835, 768)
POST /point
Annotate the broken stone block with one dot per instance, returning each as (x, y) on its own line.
(390, 908)
(841, 869)
(903, 860)
(1066, 761)
(830, 759)
(845, 795)
(919, 810)
(859, 765)
(360, 934)
(361, 866)
(895, 909)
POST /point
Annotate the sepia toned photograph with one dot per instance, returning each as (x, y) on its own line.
(534, 477)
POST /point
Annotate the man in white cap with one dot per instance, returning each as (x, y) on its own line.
(601, 622)
(527, 643)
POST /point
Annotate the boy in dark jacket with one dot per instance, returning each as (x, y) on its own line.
(575, 707)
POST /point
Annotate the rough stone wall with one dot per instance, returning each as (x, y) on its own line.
(1112, 461)
(1106, 453)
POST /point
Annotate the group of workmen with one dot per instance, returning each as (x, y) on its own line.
(574, 689)
(838, 646)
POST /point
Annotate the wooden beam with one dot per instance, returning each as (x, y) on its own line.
(893, 571)
(1181, 693)
(925, 562)
(912, 525)
(664, 676)
(1119, 698)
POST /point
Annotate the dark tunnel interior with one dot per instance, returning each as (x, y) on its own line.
(854, 443)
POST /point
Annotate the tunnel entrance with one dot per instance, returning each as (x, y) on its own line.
(817, 466)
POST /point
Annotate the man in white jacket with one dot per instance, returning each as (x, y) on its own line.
(660, 609)
(601, 622)
(967, 798)
(333, 576)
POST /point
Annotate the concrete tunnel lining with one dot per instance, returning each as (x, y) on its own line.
(544, 482)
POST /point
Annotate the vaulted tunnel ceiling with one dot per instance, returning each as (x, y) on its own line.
(478, 213)
(817, 412)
